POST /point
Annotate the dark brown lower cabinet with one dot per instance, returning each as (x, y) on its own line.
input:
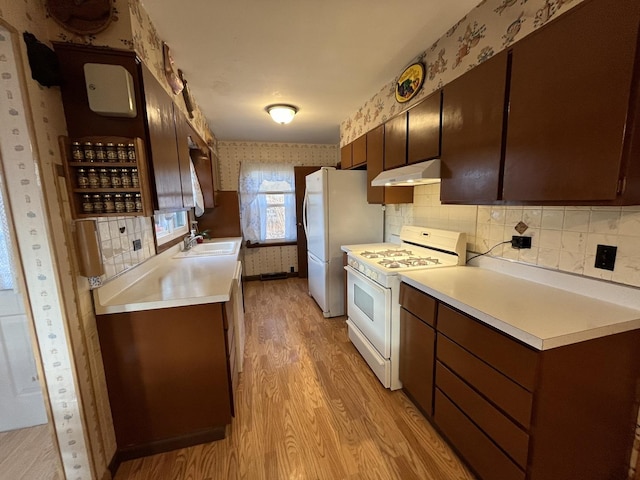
(514, 412)
(168, 377)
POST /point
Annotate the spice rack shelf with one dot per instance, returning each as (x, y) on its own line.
(95, 187)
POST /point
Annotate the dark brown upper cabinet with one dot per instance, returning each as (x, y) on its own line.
(155, 121)
(473, 116)
(424, 126)
(359, 151)
(572, 133)
(346, 156)
(161, 132)
(375, 161)
(395, 142)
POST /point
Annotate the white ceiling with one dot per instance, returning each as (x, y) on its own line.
(327, 57)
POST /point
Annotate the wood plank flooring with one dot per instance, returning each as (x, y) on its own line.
(29, 454)
(307, 408)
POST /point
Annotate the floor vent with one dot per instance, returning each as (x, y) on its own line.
(273, 276)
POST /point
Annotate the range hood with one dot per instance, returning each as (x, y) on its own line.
(422, 173)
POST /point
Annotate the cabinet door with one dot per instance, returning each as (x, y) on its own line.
(346, 156)
(359, 151)
(375, 161)
(203, 164)
(473, 115)
(183, 133)
(424, 129)
(162, 143)
(395, 142)
(570, 87)
(417, 357)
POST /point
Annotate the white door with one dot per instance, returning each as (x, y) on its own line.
(21, 402)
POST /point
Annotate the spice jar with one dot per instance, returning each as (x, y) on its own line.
(109, 205)
(135, 180)
(123, 156)
(126, 178)
(129, 204)
(138, 202)
(101, 153)
(87, 204)
(89, 153)
(76, 152)
(118, 202)
(131, 152)
(81, 178)
(112, 154)
(105, 179)
(98, 204)
(92, 176)
(116, 180)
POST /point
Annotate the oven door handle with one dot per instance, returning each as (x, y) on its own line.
(361, 277)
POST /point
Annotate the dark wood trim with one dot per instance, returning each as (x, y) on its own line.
(250, 244)
(168, 245)
(252, 278)
(160, 446)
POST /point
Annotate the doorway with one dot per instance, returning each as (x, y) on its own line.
(299, 174)
(27, 447)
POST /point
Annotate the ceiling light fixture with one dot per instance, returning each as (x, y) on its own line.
(282, 113)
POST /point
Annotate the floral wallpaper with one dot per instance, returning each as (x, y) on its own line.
(486, 30)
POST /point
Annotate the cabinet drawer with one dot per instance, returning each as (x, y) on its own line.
(484, 457)
(507, 395)
(417, 352)
(500, 351)
(512, 439)
(420, 304)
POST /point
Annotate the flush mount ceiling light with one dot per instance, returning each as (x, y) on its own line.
(282, 113)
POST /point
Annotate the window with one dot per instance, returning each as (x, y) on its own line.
(6, 257)
(267, 202)
(170, 225)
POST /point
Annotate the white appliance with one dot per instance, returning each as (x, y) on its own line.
(373, 287)
(336, 213)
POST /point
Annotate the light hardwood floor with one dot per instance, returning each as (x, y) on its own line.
(307, 408)
(28, 454)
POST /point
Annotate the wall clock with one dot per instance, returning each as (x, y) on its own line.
(83, 17)
(409, 82)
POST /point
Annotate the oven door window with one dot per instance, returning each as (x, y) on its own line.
(369, 308)
(364, 301)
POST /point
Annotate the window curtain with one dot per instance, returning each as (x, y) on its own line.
(259, 185)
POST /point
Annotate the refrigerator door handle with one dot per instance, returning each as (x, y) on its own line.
(304, 213)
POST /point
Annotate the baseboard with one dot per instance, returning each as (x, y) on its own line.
(161, 446)
(269, 276)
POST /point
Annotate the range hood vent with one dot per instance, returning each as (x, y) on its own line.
(422, 173)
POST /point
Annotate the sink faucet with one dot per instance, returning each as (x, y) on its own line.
(191, 239)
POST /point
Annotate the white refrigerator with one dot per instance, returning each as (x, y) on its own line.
(336, 213)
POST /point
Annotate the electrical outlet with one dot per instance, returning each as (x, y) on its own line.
(520, 242)
(606, 257)
(137, 244)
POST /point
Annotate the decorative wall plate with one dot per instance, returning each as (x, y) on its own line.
(173, 78)
(83, 17)
(409, 82)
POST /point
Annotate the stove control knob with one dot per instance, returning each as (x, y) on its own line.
(374, 275)
(361, 268)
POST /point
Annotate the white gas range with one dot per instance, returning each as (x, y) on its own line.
(373, 286)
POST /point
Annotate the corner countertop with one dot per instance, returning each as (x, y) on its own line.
(541, 315)
(164, 281)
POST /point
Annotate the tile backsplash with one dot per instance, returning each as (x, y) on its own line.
(117, 235)
(563, 238)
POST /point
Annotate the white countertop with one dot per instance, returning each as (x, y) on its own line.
(164, 281)
(537, 314)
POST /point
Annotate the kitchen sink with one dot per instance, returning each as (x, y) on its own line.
(210, 249)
